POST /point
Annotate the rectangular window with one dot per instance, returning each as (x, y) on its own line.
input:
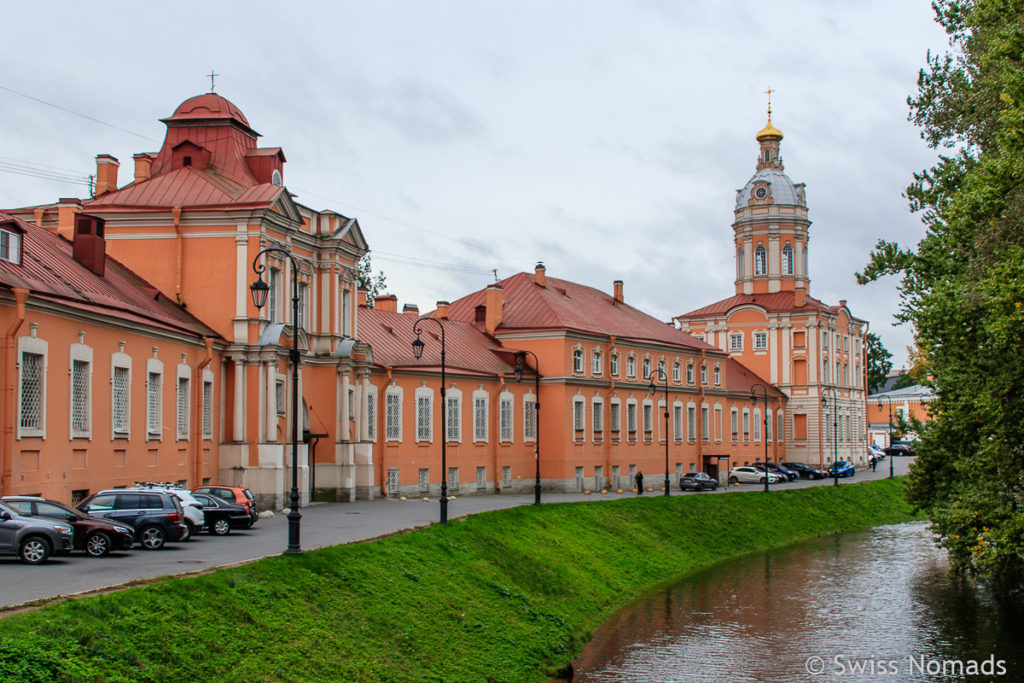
(631, 419)
(613, 365)
(782, 427)
(393, 417)
(691, 423)
(675, 372)
(480, 419)
(119, 416)
(79, 397)
(371, 416)
(506, 477)
(577, 415)
(530, 419)
(703, 374)
(760, 341)
(183, 407)
(768, 427)
(800, 427)
(677, 422)
(505, 419)
(453, 478)
(595, 363)
(577, 361)
(736, 341)
(10, 246)
(630, 367)
(689, 373)
(799, 339)
(424, 476)
(615, 418)
(648, 419)
(481, 478)
(704, 426)
(453, 418)
(273, 280)
(424, 421)
(597, 423)
(279, 398)
(746, 425)
(31, 391)
(734, 427)
(303, 292)
(153, 422)
(207, 410)
(757, 426)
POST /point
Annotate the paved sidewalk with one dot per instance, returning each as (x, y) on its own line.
(322, 525)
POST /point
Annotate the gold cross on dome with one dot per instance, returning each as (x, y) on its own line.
(769, 92)
(213, 76)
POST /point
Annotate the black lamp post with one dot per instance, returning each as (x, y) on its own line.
(536, 413)
(835, 430)
(887, 399)
(417, 350)
(663, 377)
(764, 431)
(259, 291)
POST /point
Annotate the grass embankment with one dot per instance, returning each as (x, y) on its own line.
(506, 596)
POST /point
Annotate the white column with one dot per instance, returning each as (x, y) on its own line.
(238, 409)
(343, 434)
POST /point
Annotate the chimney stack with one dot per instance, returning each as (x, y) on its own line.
(143, 164)
(494, 302)
(539, 276)
(842, 303)
(411, 309)
(800, 297)
(618, 290)
(386, 302)
(89, 246)
(361, 298)
(67, 207)
(442, 310)
(106, 174)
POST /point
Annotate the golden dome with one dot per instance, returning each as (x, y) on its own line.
(769, 131)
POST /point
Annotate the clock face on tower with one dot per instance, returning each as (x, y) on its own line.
(761, 192)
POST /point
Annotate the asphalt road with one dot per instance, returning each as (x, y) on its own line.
(322, 525)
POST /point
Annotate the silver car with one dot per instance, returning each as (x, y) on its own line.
(746, 474)
(33, 539)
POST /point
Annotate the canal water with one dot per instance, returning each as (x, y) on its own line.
(878, 605)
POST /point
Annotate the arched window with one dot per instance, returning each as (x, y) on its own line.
(760, 260)
(739, 263)
(787, 260)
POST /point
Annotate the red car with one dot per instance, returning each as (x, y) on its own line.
(239, 495)
(95, 535)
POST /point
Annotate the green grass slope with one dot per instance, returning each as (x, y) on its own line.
(509, 595)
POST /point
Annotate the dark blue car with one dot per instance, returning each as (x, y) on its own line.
(845, 469)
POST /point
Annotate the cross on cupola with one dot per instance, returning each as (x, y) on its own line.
(769, 137)
(212, 76)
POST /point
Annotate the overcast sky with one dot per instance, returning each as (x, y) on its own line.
(606, 139)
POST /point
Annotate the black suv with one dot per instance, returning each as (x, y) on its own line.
(156, 516)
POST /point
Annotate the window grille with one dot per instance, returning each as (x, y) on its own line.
(480, 418)
(453, 478)
(577, 415)
(677, 422)
(453, 418)
(481, 478)
(31, 391)
(207, 410)
(615, 417)
(530, 419)
(423, 418)
(182, 408)
(760, 341)
(506, 477)
(153, 404)
(691, 423)
(80, 396)
(648, 418)
(505, 418)
(424, 480)
(392, 482)
(10, 246)
(393, 416)
(597, 422)
(736, 341)
(371, 416)
(120, 401)
(705, 430)
(631, 417)
(279, 397)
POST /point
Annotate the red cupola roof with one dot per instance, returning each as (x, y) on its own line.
(208, 106)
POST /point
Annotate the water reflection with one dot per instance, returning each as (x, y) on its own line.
(877, 605)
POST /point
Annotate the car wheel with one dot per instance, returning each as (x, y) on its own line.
(97, 545)
(221, 527)
(34, 550)
(733, 480)
(189, 530)
(152, 538)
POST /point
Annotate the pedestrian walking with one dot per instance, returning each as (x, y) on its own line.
(639, 483)
(874, 463)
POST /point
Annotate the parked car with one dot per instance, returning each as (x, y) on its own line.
(806, 471)
(844, 467)
(222, 516)
(95, 535)
(876, 451)
(785, 474)
(697, 481)
(746, 474)
(901, 448)
(192, 508)
(239, 495)
(156, 516)
(33, 539)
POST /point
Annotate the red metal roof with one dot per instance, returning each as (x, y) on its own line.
(188, 188)
(777, 302)
(739, 379)
(49, 271)
(208, 106)
(467, 349)
(565, 305)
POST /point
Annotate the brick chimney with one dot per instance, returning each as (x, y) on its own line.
(618, 290)
(800, 297)
(89, 246)
(361, 298)
(143, 164)
(842, 303)
(442, 310)
(387, 302)
(411, 309)
(494, 301)
(67, 207)
(538, 275)
(106, 174)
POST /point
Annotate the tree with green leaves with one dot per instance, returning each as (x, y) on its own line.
(962, 288)
(373, 284)
(879, 362)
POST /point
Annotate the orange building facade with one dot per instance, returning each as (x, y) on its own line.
(813, 352)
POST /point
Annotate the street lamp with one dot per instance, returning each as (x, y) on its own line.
(887, 399)
(835, 430)
(417, 350)
(651, 388)
(536, 413)
(259, 291)
(764, 432)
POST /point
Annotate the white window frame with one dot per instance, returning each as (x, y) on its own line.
(630, 366)
(757, 425)
(690, 375)
(597, 419)
(595, 362)
(716, 376)
(10, 246)
(453, 415)
(577, 361)
(81, 354)
(529, 417)
(579, 418)
(648, 419)
(506, 417)
(735, 341)
(646, 366)
(691, 421)
(787, 260)
(677, 421)
(424, 402)
(705, 420)
(120, 361)
(734, 424)
(207, 397)
(676, 374)
(481, 415)
(393, 413)
(703, 374)
(30, 345)
(631, 419)
(746, 424)
(760, 260)
(154, 400)
(183, 422)
(760, 341)
(615, 417)
(613, 364)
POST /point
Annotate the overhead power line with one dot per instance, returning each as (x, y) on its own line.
(75, 113)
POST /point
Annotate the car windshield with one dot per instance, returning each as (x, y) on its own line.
(5, 508)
